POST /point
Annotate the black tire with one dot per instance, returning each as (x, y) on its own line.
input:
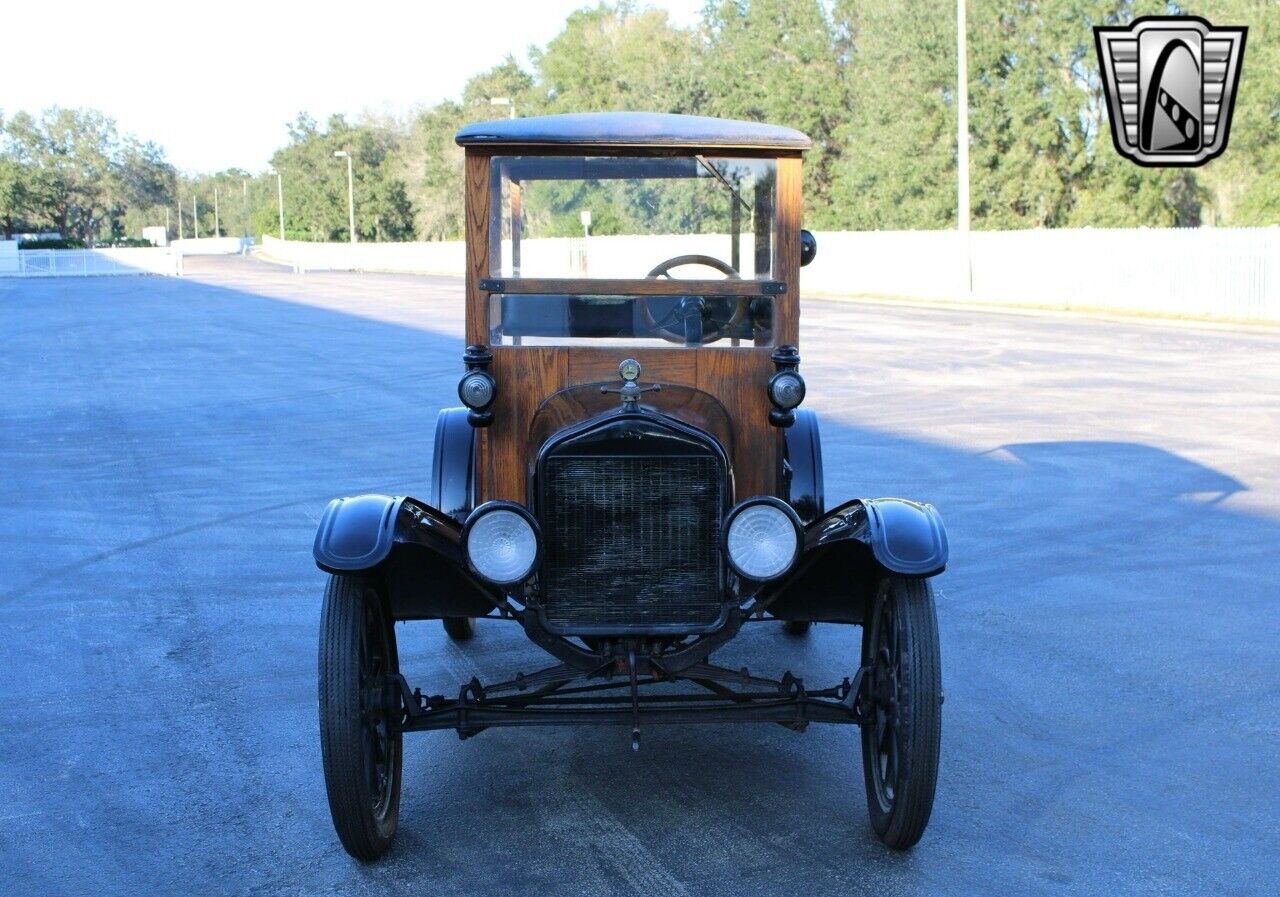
(797, 627)
(362, 758)
(460, 628)
(900, 743)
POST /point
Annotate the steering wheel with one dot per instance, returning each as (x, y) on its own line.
(668, 326)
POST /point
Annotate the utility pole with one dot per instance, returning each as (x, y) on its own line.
(962, 141)
(962, 118)
(351, 193)
(217, 224)
(195, 216)
(179, 217)
(280, 201)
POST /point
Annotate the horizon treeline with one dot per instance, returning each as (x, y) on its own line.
(873, 83)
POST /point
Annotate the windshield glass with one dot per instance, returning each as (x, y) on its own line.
(632, 217)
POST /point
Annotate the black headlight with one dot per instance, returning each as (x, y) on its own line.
(786, 390)
(476, 390)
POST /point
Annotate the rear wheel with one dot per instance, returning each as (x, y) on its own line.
(361, 752)
(460, 628)
(900, 740)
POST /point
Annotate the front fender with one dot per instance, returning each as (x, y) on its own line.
(413, 549)
(904, 536)
(802, 466)
(453, 464)
(356, 533)
(848, 550)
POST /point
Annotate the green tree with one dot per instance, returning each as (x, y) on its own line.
(506, 80)
(1041, 145)
(13, 201)
(1243, 184)
(67, 155)
(897, 162)
(779, 61)
(617, 57)
(142, 185)
(316, 181)
(431, 166)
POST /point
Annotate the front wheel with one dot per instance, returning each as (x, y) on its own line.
(901, 737)
(358, 742)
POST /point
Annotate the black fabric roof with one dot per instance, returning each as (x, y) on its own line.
(631, 129)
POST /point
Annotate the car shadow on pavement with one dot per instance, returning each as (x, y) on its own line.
(1108, 623)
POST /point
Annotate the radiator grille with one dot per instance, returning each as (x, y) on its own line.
(631, 541)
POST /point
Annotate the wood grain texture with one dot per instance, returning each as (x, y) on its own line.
(527, 377)
(476, 211)
(738, 377)
(674, 365)
(786, 252)
(575, 404)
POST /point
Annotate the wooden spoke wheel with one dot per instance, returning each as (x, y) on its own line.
(360, 746)
(900, 740)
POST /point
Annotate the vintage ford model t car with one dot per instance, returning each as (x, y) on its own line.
(631, 479)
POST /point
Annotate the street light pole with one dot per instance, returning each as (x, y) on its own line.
(962, 141)
(351, 193)
(280, 200)
(962, 118)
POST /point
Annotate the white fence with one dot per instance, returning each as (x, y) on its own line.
(211, 245)
(408, 258)
(93, 262)
(1215, 272)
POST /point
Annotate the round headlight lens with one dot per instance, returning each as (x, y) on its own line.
(786, 390)
(502, 545)
(763, 540)
(476, 390)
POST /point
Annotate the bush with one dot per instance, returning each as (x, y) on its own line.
(120, 243)
(52, 244)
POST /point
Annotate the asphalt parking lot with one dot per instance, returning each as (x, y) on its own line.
(1110, 620)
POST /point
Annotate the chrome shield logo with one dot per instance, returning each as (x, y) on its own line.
(1170, 85)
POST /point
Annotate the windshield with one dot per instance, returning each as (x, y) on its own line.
(632, 217)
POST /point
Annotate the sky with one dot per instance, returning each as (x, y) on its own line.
(216, 84)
